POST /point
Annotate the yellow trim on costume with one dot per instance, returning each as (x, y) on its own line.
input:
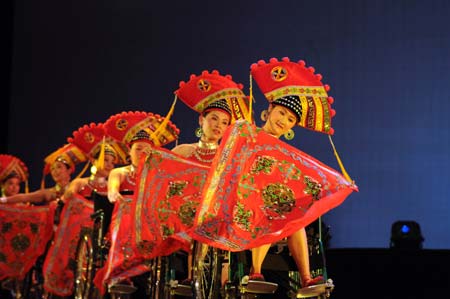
(312, 91)
(318, 126)
(226, 94)
(304, 103)
(136, 128)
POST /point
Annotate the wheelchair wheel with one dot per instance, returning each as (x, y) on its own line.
(84, 268)
(207, 267)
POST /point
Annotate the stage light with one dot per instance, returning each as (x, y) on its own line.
(406, 235)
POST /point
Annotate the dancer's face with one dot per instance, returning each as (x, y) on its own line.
(279, 120)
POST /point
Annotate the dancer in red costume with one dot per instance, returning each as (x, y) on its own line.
(31, 227)
(103, 153)
(60, 164)
(60, 260)
(140, 131)
(13, 172)
(262, 190)
(169, 186)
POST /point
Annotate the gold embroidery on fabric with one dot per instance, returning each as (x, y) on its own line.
(278, 198)
(312, 188)
(263, 164)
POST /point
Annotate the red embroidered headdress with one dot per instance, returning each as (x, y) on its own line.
(295, 86)
(11, 166)
(214, 91)
(68, 154)
(128, 127)
(91, 138)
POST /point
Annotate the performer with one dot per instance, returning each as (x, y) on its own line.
(60, 165)
(60, 259)
(285, 85)
(33, 226)
(263, 190)
(140, 131)
(209, 94)
(103, 153)
(13, 172)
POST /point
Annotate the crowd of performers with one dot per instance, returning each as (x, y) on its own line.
(238, 188)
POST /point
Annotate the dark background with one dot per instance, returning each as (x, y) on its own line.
(69, 63)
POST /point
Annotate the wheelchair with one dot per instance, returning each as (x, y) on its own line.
(92, 249)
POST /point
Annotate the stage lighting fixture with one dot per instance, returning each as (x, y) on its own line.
(406, 235)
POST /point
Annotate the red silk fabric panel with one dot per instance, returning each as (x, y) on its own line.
(58, 265)
(121, 257)
(168, 194)
(261, 190)
(25, 231)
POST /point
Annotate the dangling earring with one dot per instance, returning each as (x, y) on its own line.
(93, 169)
(289, 135)
(198, 132)
(264, 115)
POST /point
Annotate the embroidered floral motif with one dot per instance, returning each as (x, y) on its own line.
(146, 247)
(241, 216)
(263, 164)
(313, 188)
(167, 231)
(278, 198)
(176, 188)
(20, 242)
(290, 171)
(187, 212)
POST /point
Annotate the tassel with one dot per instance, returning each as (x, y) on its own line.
(155, 135)
(27, 189)
(248, 117)
(100, 163)
(341, 165)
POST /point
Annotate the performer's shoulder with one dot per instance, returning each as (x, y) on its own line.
(185, 149)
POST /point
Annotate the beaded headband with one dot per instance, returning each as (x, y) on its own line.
(292, 103)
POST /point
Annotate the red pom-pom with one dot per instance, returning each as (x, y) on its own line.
(330, 100)
(273, 60)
